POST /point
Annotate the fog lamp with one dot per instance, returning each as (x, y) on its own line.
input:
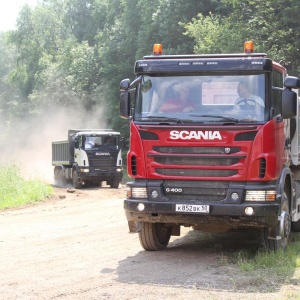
(249, 211)
(140, 207)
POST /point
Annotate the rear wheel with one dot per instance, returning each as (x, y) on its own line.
(154, 236)
(76, 180)
(276, 238)
(59, 178)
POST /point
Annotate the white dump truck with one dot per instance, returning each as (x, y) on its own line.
(88, 156)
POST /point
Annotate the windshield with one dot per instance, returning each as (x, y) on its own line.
(100, 142)
(205, 99)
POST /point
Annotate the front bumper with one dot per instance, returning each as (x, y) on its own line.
(101, 175)
(233, 215)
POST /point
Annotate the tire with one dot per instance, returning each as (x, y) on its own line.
(114, 184)
(281, 233)
(56, 177)
(154, 236)
(76, 180)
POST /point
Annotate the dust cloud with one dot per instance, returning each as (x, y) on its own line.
(28, 143)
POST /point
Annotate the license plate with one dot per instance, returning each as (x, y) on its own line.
(192, 208)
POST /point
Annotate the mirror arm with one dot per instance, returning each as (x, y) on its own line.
(135, 82)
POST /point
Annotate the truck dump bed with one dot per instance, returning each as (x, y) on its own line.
(61, 153)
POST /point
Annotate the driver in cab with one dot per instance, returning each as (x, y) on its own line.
(246, 99)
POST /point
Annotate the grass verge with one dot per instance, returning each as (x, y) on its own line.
(268, 271)
(16, 191)
(281, 263)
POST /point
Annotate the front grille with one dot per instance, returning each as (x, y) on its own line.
(205, 191)
(102, 162)
(197, 161)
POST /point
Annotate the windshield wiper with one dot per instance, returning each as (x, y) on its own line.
(252, 120)
(222, 118)
(163, 119)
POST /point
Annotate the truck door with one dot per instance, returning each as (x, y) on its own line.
(78, 151)
(281, 134)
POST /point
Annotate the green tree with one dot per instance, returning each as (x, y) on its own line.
(272, 24)
(39, 34)
(9, 96)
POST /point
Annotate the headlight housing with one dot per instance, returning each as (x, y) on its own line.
(136, 192)
(260, 196)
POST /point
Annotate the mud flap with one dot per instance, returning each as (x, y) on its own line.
(134, 226)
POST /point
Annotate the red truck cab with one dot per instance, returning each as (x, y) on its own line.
(213, 145)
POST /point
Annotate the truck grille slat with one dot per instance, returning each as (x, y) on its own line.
(195, 150)
(198, 161)
(196, 173)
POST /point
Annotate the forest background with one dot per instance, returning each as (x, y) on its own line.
(62, 65)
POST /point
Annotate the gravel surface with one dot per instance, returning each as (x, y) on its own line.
(77, 246)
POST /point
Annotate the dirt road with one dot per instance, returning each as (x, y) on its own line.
(78, 247)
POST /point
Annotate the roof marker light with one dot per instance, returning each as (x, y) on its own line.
(248, 47)
(157, 49)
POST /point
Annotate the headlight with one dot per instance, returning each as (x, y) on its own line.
(269, 196)
(84, 170)
(119, 169)
(136, 192)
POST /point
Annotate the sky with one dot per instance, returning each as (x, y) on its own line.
(9, 11)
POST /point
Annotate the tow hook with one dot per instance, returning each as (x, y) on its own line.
(285, 224)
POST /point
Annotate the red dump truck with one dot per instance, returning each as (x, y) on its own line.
(225, 156)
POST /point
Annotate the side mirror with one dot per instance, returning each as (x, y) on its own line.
(288, 104)
(125, 104)
(124, 85)
(292, 82)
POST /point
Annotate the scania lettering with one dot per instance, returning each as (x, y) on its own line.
(214, 145)
(195, 135)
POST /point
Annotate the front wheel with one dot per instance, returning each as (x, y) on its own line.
(76, 180)
(154, 236)
(276, 238)
(114, 184)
